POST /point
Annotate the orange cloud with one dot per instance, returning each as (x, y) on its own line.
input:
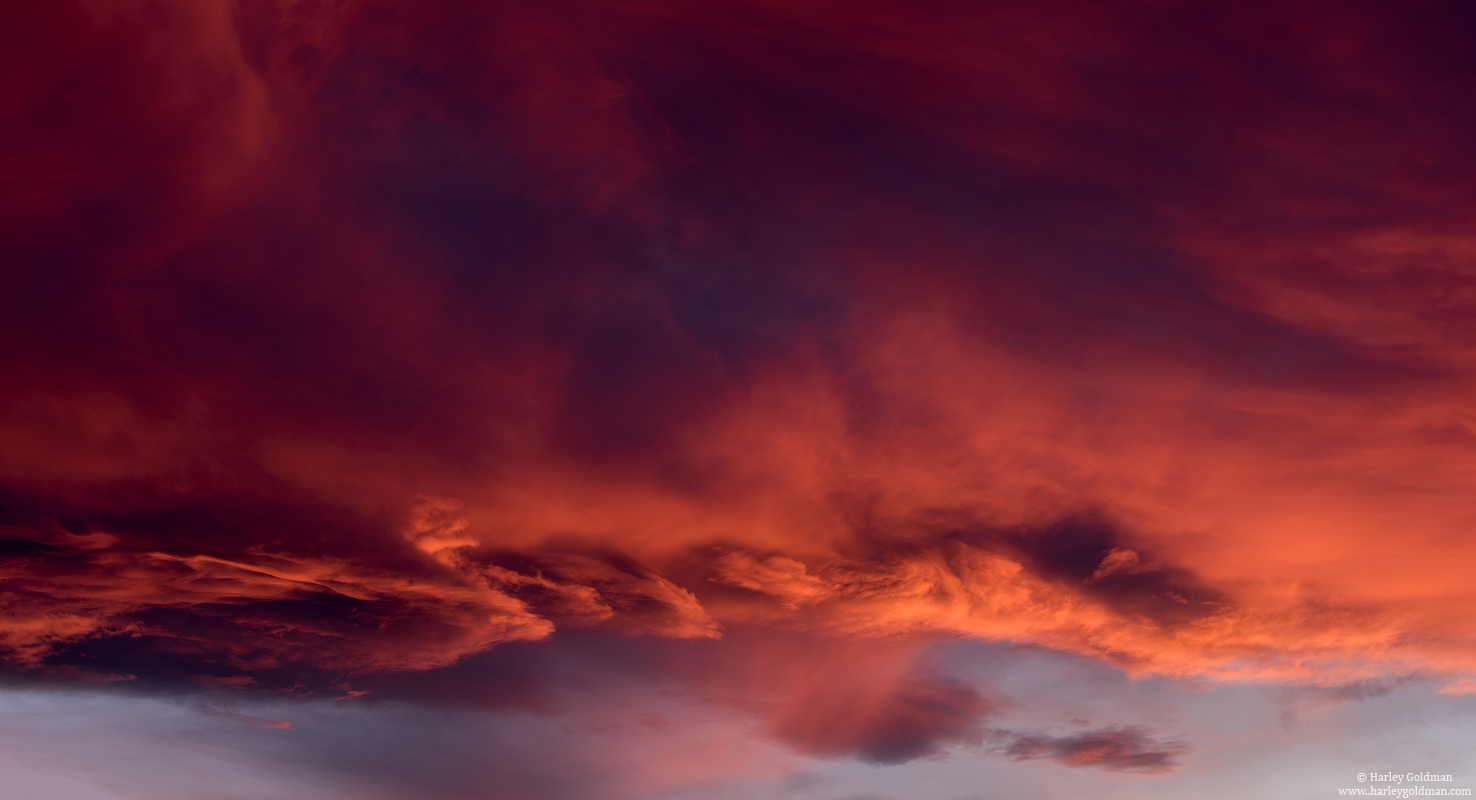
(351, 338)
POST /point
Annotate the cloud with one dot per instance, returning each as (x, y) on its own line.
(1116, 749)
(266, 612)
(877, 718)
(393, 347)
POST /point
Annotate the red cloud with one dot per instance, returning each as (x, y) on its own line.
(349, 339)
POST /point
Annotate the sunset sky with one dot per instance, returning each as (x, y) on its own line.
(735, 400)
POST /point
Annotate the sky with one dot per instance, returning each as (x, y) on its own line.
(738, 400)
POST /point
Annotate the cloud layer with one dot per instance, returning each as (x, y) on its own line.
(384, 349)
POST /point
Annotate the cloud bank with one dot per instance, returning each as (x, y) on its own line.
(384, 350)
